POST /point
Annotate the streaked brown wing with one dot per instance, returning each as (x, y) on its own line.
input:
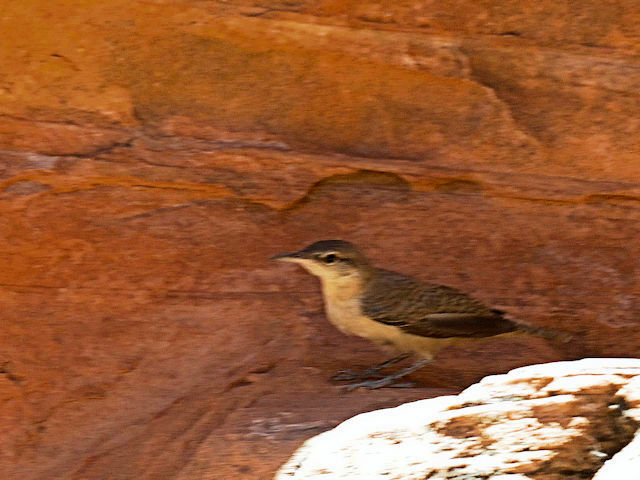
(430, 310)
(446, 325)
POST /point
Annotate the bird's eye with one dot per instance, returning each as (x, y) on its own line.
(331, 258)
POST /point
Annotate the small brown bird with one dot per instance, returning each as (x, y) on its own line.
(397, 312)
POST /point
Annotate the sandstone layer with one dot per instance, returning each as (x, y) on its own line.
(154, 154)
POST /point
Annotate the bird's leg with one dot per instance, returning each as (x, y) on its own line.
(389, 379)
(372, 372)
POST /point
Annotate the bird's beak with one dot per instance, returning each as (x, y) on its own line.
(287, 257)
(300, 258)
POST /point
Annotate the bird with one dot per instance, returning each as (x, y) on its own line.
(398, 313)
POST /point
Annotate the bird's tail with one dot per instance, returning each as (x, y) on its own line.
(545, 333)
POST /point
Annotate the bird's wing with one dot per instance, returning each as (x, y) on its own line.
(430, 310)
(444, 325)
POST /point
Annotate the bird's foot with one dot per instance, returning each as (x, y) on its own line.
(346, 375)
(389, 380)
(373, 372)
(374, 384)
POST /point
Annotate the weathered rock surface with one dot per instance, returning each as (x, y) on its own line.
(554, 421)
(153, 156)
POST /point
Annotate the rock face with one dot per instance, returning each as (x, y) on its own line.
(153, 156)
(556, 421)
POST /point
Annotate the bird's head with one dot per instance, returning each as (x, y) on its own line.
(331, 260)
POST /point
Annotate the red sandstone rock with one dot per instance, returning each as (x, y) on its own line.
(152, 157)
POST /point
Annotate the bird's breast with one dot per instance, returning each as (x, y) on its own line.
(346, 314)
(342, 303)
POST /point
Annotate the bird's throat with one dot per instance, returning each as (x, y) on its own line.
(342, 288)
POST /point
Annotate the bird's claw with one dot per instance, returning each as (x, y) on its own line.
(389, 380)
(371, 372)
(373, 384)
(346, 375)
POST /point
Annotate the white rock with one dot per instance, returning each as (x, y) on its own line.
(550, 420)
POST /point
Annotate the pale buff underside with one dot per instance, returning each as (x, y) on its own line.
(342, 305)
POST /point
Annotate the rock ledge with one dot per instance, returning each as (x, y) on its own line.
(563, 420)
